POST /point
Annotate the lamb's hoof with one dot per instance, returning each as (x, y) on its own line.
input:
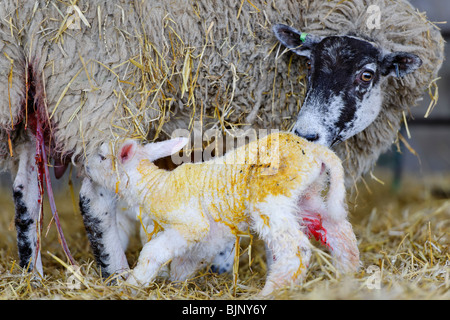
(221, 269)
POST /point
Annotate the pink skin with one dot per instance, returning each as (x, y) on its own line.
(337, 236)
(314, 228)
(313, 220)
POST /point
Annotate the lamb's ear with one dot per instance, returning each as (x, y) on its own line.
(299, 42)
(166, 148)
(127, 151)
(399, 64)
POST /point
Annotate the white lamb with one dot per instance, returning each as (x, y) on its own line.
(271, 186)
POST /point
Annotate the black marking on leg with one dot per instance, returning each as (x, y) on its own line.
(23, 223)
(94, 231)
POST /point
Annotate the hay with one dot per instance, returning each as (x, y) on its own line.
(405, 237)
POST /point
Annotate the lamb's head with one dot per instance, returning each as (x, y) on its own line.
(106, 167)
(345, 76)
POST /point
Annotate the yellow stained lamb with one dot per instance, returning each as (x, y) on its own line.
(272, 186)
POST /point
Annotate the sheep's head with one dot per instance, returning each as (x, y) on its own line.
(345, 74)
(106, 166)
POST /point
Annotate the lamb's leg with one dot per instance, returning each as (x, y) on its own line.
(336, 235)
(167, 245)
(98, 207)
(223, 261)
(219, 243)
(278, 226)
(342, 242)
(27, 201)
(185, 267)
(147, 231)
(292, 253)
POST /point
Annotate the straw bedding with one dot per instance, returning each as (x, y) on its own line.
(405, 235)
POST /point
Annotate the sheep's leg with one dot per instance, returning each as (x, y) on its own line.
(182, 268)
(167, 245)
(223, 261)
(328, 223)
(146, 230)
(126, 222)
(277, 225)
(336, 235)
(185, 267)
(27, 201)
(219, 239)
(342, 242)
(98, 207)
(291, 253)
(313, 190)
(311, 210)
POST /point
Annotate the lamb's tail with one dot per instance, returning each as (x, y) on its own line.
(336, 204)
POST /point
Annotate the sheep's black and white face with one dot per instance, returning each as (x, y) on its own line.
(344, 83)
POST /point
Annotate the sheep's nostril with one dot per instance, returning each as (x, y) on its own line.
(311, 137)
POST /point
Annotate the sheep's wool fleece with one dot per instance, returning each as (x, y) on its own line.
(145, 68)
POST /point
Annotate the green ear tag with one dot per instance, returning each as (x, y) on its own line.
(303, 37)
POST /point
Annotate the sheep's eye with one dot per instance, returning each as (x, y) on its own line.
(308, 64)
(102, 157)
(367, 76)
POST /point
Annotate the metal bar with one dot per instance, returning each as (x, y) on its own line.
(429, 122)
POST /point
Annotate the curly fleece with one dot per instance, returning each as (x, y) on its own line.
(145, 68)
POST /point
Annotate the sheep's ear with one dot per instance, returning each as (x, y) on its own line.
(299, 42)
(166, 148)
(399, 64)
(127, 151)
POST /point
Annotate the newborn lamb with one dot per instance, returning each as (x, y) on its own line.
(272, 186)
